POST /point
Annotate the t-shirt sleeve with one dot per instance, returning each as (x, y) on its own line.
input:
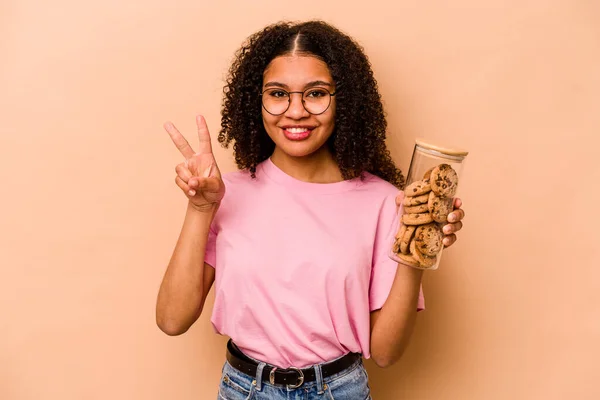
(383, 269)
(210, 255)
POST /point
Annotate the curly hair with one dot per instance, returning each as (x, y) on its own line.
(357, 142)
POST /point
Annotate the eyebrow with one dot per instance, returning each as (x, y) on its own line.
(309, 84)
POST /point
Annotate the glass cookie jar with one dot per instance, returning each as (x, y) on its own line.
(431, 186)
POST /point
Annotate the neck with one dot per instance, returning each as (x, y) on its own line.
(319, 167)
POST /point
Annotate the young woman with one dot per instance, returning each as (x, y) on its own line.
(296, 241)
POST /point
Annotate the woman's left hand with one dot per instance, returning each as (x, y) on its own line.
(454, 221)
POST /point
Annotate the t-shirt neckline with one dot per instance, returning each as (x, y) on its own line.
(279, 176)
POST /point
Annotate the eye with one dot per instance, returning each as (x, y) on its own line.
(277, 93)
(317, 93)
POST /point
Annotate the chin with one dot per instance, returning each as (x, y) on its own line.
(298, 149)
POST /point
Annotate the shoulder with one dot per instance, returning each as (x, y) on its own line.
(380, 187)
(382, 198)
(240, 183)
(237, 177)
(244, 176)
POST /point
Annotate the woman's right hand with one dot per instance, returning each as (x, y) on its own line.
(198, 176)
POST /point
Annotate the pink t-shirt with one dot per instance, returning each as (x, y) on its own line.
(299, 266)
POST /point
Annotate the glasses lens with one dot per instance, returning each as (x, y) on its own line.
(275, 101)
(316, 100)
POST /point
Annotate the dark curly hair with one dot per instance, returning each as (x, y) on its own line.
(358, 139)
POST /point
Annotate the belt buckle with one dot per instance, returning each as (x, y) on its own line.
(272, 376)
(300, 377)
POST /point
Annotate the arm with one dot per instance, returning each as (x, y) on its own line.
(393, 324)
(187, 279)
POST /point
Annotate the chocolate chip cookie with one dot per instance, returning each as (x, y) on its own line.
(419, 208)
(418, 188)
(428, 239)
(408, 259)
(423, 260)
(406, 238)
(415, 200)
(439, 207)
(417, 219)
(444, 180)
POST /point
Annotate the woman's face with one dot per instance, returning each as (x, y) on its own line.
(297, 132)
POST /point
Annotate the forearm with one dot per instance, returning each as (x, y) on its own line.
(180, 298)
(392, 326)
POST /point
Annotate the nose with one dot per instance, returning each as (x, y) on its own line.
(296, 109)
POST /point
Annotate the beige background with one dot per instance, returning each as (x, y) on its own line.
(90, 212)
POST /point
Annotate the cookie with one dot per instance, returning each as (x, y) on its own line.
(423, 260)
(416, 219)
(440, 207)
(419, 208)
(401, 232)
(428, 239)
(416, 200)
(396, 246)
(409, 260)
(418, 188)
(405, 241)
(427, 174)
(444, 180)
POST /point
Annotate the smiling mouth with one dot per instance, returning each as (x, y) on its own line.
(297, 133)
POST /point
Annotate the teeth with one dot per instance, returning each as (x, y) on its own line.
(296, 130)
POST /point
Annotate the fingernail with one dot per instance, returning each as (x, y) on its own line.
(192, 192)
(447, 229)
(451, 217)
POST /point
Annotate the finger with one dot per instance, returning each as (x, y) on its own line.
(399, 199)
(192, 166)
(447, 229)
(186, 189)
(183, 173)
(456, 215)
(457, 226)
(203, 135)
(181, 143)
(449, 240)
(457, 203)
(452, 228)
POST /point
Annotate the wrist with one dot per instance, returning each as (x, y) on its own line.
(202, 214)
(209, 209)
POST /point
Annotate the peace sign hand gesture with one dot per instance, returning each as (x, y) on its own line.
(198, 176)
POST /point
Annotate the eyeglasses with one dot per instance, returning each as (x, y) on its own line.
(316, 101)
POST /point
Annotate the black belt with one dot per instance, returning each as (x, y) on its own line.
(293, 377)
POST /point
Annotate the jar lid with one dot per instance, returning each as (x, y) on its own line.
(444, 150)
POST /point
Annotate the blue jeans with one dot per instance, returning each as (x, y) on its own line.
(349, 384)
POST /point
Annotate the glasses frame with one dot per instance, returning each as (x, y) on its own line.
(290, 100)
